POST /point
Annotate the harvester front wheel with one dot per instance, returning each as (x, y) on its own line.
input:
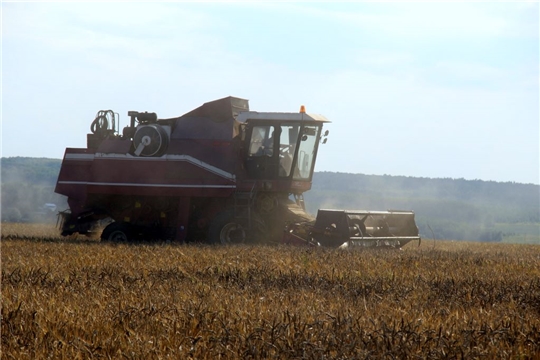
(225, 229)
(117, 232)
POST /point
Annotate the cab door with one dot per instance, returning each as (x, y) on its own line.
(262, 161)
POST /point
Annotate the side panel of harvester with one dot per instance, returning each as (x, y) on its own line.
(121, 174)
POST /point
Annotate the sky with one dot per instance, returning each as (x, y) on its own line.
(438, 90)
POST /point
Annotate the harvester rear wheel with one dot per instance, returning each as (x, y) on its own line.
(225, 229)
(117, 232)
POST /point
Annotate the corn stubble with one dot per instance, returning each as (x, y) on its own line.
(79, 298)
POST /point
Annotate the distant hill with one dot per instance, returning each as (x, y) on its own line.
(27, 186)
(30, 170)
(445, 208)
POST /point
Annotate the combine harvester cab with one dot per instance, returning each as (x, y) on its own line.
(219, 174)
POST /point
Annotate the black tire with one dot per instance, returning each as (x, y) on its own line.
(117, 232)
(225, 230)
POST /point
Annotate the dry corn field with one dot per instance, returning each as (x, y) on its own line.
(80, 299)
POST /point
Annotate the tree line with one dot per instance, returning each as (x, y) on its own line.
(27, 186)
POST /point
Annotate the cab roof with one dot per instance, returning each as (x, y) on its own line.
(280, 116)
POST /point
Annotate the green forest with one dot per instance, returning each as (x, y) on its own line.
(455, 209)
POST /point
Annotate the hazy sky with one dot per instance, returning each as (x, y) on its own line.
(415, 89)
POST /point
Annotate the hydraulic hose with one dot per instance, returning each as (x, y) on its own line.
(101, 123)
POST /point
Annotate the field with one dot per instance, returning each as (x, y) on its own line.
(78, 298)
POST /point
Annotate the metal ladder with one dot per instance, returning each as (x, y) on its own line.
(243, 204)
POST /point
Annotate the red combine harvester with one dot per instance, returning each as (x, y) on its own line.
(218, 174)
